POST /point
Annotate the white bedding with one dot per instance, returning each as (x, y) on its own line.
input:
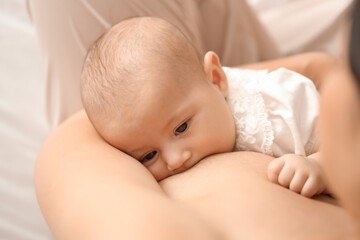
(23, 125)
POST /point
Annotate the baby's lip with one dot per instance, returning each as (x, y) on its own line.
(187, 165)
(179, 170)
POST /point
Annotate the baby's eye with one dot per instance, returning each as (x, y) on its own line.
(148, 157)
(182, 128)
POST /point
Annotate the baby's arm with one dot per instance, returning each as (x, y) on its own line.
(298, 173)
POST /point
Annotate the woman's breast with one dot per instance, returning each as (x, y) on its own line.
(232, 192)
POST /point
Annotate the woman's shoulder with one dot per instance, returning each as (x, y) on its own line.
(87, 189)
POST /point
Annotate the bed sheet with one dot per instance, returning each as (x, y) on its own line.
(22, 124)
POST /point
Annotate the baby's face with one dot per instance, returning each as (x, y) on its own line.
(173, 127)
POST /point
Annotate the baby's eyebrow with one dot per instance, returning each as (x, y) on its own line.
(137, 152)
(171, 121)
(176, 116)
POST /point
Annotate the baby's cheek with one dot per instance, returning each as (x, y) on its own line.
(223, 142)
(230, 131)
(229, 136)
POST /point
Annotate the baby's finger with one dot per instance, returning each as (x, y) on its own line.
(311, 187)
(285, 176)
(274, 169)
(297, 182)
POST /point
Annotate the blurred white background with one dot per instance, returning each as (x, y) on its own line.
(21, 124)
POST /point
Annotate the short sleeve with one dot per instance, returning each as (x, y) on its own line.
(292, 105)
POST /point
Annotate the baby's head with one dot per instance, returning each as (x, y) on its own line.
(148, 93)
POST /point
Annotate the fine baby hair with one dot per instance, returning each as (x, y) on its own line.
(118, 62)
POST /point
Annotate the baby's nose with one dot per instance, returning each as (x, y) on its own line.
(175, 161)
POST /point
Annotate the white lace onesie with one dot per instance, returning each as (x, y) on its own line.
(275, 112)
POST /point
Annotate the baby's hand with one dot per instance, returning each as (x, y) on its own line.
(298, 173)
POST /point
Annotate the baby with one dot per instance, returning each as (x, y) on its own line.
(149, 93)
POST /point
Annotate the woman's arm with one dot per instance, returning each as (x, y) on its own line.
(89, 190)
(314, 65)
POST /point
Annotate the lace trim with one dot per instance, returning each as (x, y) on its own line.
(268, 130)
(254, 129)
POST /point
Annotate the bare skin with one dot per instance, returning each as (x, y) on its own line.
(340, 134)
(182, 115)
(90, 190)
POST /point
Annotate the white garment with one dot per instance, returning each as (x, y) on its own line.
(275, 112)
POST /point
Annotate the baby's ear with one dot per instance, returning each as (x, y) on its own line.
(214, 72)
